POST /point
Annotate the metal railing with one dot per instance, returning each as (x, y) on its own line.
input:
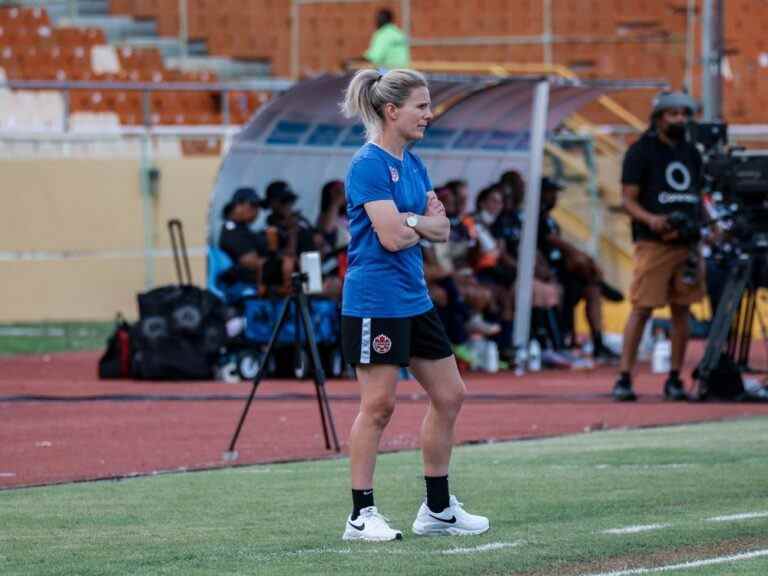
(148, 88)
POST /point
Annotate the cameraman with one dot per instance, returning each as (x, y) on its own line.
(660, 186)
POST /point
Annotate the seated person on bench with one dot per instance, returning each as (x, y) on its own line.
(244, 246)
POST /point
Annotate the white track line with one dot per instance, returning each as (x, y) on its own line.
(686, 565)
(734, 517)
(394, 550)
(482, 548)
(636, 529)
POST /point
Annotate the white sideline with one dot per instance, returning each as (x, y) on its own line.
(732, 517)
(482, 548)
(636, 529)
(686, 565)
(396, 551)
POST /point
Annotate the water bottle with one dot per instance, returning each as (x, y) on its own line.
(477, 347)
(491, 357)
(645, 350)
(661, 358)
(534, 356)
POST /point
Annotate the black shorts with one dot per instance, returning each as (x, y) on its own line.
(394, 340)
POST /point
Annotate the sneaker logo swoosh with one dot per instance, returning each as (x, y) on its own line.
(358, 528)
(451, 520)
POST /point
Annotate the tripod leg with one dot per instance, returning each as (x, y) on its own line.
(727, 312)
(746, 333)
(319, 375)
(761, 320)
(231, 454)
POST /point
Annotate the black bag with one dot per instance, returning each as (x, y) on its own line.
(172, 359)
(724, 382)
(117, 360)
(181, 328)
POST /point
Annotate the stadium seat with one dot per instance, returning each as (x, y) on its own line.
(31, 49)
(31, 110)
(104, 59)
(94, 122)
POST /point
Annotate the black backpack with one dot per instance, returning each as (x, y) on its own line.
(179, 335)
(181, 328)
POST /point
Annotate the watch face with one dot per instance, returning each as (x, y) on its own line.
(412, 221)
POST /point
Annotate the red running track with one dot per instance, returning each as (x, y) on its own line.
(59, 423)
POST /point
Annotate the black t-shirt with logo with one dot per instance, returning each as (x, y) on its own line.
(237, 239)
(668, 178)
(305, 241)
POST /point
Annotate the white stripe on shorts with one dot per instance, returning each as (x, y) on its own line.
(365, 341)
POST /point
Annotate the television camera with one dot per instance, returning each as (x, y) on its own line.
(736, 198)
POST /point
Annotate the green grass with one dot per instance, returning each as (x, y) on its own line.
(44, 338)
(548, 500)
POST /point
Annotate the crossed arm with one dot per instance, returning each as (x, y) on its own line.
(394, 234)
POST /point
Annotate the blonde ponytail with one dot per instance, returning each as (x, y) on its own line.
(369, 91)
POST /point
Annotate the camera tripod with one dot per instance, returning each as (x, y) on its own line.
(298, 299)
(730, 335)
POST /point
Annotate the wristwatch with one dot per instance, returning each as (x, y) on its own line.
(411, 220)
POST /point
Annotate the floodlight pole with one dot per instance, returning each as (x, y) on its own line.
(711, 60)
(184, 30)
(405, 18)
(526, 254)
(690, 43)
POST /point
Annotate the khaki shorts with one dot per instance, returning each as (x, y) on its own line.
(658, 276)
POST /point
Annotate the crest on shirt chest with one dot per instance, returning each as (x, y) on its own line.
(394, 174)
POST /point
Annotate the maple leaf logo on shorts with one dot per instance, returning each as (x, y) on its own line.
(382, 344)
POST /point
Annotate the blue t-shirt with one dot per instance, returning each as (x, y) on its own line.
(379, 283)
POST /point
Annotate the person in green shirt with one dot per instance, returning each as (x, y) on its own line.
(389, 45)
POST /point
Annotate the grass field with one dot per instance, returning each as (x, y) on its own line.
(44, 338)
(550, 503)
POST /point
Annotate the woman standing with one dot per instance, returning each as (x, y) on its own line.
(388, 320)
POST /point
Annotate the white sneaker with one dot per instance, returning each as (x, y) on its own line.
(453, 520)
(370, 526)
(477, 325)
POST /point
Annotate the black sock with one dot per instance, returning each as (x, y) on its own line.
(438, 498)
(597, 341)
(626, 378)
(361, 499)
(674, 375)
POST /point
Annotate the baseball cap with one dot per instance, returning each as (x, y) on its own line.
(666, 100)
(548, 183)
(242, 196)
(279, 191)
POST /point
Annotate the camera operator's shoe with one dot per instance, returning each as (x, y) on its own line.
(453, 520)
(610, 293)
(622, 391)
(674, 390)
(370, 526)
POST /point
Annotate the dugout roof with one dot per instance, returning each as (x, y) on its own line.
(481, 128)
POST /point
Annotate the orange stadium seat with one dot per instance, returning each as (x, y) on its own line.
(30, 48)
(121, 7)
